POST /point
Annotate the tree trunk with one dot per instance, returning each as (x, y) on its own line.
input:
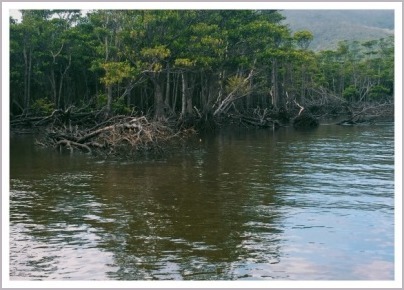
(109, 98)
(175, 91)
(167, 94)
(204, 93)
(52, 80)
(158, 99)
(27, 77)
(184, 94)
(232, 96)
(274, 80)
(303, 87)
(249, 96)
(189, 99)
(62, 77)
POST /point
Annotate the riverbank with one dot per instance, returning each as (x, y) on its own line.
(96, 132)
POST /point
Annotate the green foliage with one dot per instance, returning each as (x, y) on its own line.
(184, 62)
(153, 57)
(119, 107)
(116, 72)
(237, 85)
(42, 106)
(351, 93)
(102, 100)
(379, 92)
(303, 39)
(140, 57)
(158, 52)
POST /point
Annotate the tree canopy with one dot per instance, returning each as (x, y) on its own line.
(178, 62)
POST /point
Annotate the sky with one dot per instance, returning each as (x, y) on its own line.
(15, 14)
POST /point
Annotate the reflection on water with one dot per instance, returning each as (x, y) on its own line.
(241, 205)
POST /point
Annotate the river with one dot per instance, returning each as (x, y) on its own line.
(239, 205)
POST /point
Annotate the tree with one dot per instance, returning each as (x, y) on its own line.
(303, 39)
(185, 63)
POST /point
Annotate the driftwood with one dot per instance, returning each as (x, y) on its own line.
(69, 144)
(366, 113)
(132, 134)
(300, 107)
(57, 117)
(261, 118)
(304, 119)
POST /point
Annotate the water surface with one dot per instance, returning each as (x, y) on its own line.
(241, 205)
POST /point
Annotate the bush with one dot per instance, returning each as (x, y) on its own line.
(351, 93)
(42, 106)
(119, 107)
(102, 100)
(378, 93)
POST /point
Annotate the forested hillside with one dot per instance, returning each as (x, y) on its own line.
(332, 26)
(176, 64)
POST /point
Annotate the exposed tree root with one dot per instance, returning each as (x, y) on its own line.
(119, 133)
(305, 121)
(92, 132)
(366, 113)
(259, 119)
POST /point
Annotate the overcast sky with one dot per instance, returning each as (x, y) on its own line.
(15, 14)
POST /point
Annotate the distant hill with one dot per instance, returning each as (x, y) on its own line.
(331, 26)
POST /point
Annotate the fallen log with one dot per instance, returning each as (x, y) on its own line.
(70, 145)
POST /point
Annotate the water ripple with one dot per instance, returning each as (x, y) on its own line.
(254, 205)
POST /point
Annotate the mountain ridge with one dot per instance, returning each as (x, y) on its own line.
(329, 27)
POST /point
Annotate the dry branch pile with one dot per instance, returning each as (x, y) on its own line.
(367, 113)
(119, 134)
(262, 118)
(58, 118)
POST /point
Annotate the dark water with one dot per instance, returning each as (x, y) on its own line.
(244, 205)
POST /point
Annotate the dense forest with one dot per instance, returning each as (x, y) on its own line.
(185, 64)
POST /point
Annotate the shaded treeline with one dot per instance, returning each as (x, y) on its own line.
(179, 63)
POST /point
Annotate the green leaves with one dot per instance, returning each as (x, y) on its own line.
(237, 85)
(116, 72)
(184, 62)
(303, 39)
(360, 71)
(127, 55)
(159, 52)
(351, 93)
(43, 106)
